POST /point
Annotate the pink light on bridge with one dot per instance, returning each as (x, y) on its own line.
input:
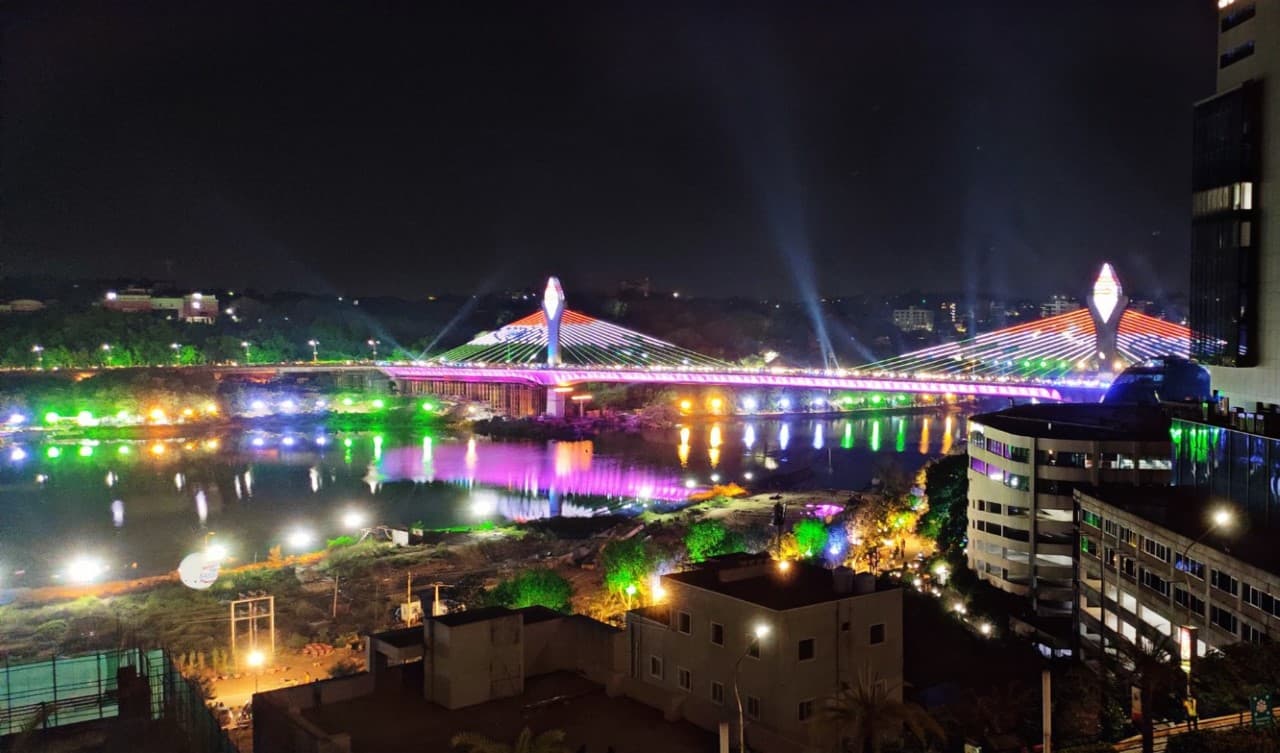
(545, 377)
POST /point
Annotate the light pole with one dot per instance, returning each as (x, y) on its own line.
(245, 344)
(1221, 518)
(177, 351)
(315, 354)
(758, 634)
(39, 351)
(374, 344)
(106, 354)
(256, 660)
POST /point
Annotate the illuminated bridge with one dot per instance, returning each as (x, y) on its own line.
(531, 365)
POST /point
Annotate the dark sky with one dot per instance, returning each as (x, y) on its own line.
(371, 147)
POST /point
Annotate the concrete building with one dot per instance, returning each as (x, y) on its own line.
(1058, 304)
(194, 308)
(1154, 559)
(912, 319)
(1235, 258)
(1024, 466)
(790, 636)
(491, 671)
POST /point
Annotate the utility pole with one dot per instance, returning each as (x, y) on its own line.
(335, 596)
(1046, 710)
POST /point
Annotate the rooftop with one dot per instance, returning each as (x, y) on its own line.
(764, 583)
(1186, 511)
(398, 721)
(1087, 421)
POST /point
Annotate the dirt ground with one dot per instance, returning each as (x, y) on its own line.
(288, 668)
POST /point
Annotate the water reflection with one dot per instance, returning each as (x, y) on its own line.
(254, 487)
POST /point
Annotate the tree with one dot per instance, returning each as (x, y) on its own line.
(1151, 669)
(1225, 680)
(711, 538)
(626, 563)
(867, 716)
(947, 486)
(551, 741)
(811, 537)
(535, 587)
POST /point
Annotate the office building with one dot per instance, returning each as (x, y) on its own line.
(1235, 261)
(1024, 466)
(1154, 559)
(791, 635)
(1059, 304)
(912, 319)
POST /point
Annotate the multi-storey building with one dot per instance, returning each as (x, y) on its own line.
(1154, 559)
(1024, 466)
(1059, 304)
(1235, 261)
(785, 635)
(912, 319)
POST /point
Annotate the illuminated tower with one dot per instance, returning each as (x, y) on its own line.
(1107, 303)
(1235, 260)
(553, 309)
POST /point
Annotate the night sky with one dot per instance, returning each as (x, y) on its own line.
(769, 150)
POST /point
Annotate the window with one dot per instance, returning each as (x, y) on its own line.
(717, 633)
(1238, 16)
(1154, 582)
(1261, 599)
(1155, 549)
(684, 623)
(807, 650)
(845, 626)
(753, 707)
(1223, 618)
(1188, 601)
(717, 693)
(1251, 634)
(684, 678)
(1128, 567)
(1224, 582)
(1190, 566)
(1235, 54)
(877, 633)
(1091, 518)
(753, 648)
(804, 712)
(655, 667)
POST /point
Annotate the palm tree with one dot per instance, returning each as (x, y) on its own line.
(551, 741)
(867, 715)
(1150, 667)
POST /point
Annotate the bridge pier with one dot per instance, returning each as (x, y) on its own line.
(555, 403)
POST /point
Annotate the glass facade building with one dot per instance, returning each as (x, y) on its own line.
(1235, 464)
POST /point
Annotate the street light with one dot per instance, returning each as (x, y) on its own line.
(1221, 518)
(39, 351)
(177, 351)
(753, 642)
(374, 344)
(353, 519)
(245, 344)
(256, 659)
(314, 352)
(106, 354)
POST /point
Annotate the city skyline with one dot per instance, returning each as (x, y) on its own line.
(469, 153)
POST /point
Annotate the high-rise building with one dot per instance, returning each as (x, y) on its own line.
(1235, 263)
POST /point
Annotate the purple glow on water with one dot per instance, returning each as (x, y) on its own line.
(567, 468)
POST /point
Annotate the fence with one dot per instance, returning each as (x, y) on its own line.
(67, 690)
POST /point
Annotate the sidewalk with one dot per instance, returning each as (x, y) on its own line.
(1163, 730)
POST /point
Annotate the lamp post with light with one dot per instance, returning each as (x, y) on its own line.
(374, 345)
(256, 660)
(245, 344)
(753, 642)
(315, 354)
(177, 352)
(39, 351)
(1221, 518)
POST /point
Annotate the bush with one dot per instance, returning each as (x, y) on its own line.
(339, 542)
(52, 631)
(710, 538)
(345, 668)
(1239, 740)
(811, 537)
(626, 563)
(545, 588)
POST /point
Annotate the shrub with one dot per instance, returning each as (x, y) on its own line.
(339, 542)
(538, 587)
(345, 668)
(626, 563)
(710, 538)
(811, 537)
